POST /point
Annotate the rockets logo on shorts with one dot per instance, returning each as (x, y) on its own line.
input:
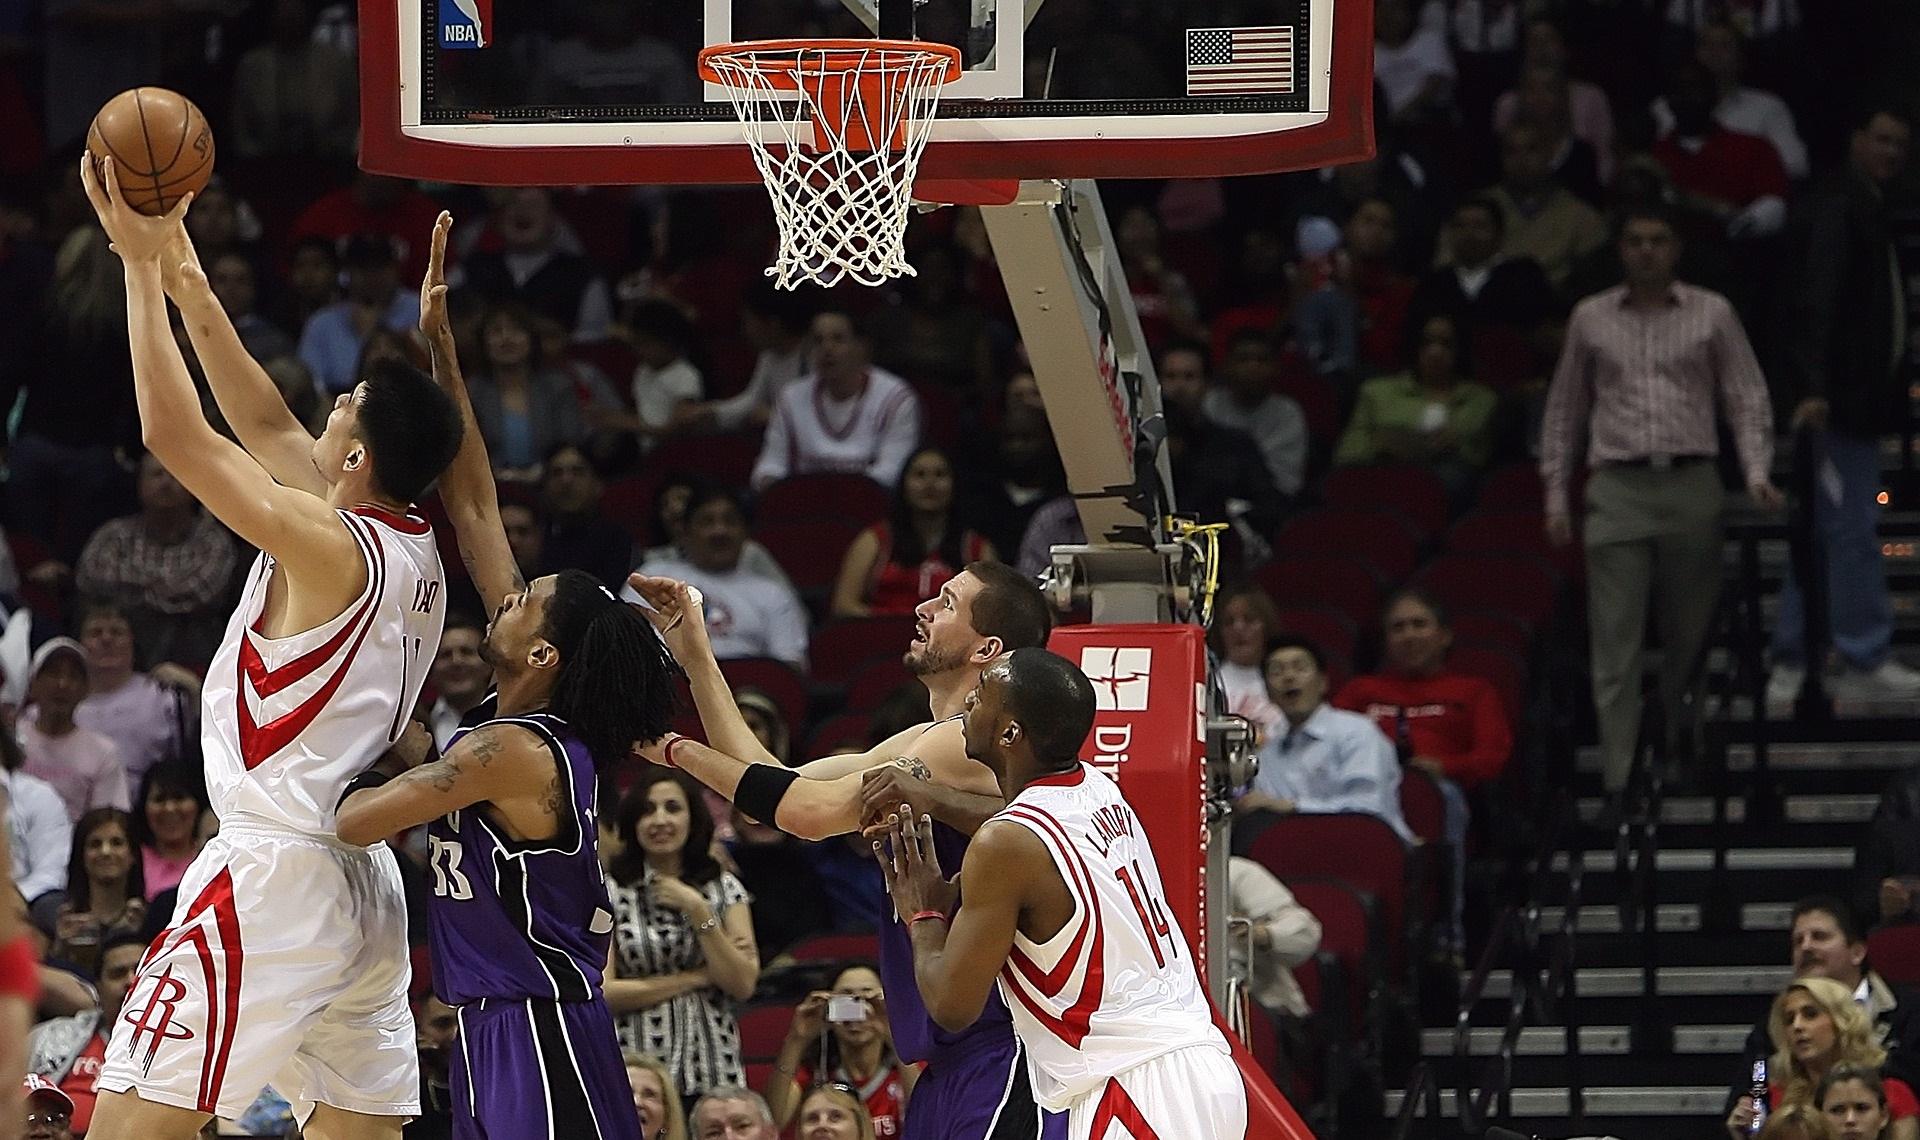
(155, 1019)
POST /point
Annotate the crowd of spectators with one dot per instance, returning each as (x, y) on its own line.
(1570, 197)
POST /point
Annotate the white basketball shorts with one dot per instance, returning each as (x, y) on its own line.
(1189, 1094)
(285, 964)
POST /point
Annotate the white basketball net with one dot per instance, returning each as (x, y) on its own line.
(837, 132)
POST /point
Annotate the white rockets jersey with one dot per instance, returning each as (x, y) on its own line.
(288, 721)
(1116, 987)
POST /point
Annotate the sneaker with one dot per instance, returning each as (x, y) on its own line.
(1783, 684)
(1890, 680)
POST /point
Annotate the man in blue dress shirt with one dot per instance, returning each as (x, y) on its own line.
(1321, 759)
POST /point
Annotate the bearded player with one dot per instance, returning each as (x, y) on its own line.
(520, 919)
(975, 1083)
(286, 959)
(1060, 901)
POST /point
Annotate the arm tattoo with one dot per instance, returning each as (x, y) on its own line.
(445, 773)
(552, 795)
(914, 766)
(485, 746)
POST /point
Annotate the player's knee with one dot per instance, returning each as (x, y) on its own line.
(330, 1123)
(125, 1116)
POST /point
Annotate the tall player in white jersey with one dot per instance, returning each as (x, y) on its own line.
(1061, 904)
(286, 958)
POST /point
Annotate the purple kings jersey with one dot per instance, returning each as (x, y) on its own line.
(916, 1036)
(521, 920)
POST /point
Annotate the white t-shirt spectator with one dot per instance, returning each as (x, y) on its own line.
(1276, 425)
(872, 434)
(747, 615)
(1245, 689)
(1402, 72)
(84, 766)
(41, 834)
(140, 716)
(773, 371)
(657, 391)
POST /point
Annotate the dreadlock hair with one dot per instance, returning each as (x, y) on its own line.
(615, 685)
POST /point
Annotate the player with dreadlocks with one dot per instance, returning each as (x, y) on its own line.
(520, 920)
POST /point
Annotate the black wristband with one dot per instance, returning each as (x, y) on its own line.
(366, 779)
(762, 787)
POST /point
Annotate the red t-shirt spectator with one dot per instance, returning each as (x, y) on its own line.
(1901, 1103)
(79, 1082)
(1383, 294)
(1455, 719)
(884, 1094)
(1727, 165)
(896, 587)
(407, 220)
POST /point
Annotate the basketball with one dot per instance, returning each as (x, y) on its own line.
(161, 145)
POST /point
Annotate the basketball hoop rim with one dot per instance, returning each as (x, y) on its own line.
(820, 56)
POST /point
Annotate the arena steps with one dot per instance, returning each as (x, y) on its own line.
(1712, 984)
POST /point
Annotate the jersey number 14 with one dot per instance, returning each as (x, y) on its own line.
(1152, 912)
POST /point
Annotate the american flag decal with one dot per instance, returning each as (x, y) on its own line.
(1240, 61)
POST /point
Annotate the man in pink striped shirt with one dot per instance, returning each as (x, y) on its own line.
(1643, 366)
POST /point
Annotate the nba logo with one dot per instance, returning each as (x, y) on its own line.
(1119, 676)
(466, 23)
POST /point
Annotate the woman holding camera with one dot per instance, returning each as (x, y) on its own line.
(842, 1037)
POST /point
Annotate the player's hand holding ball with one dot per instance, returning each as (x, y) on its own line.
(149, 151)
(675, 609)
(136, 237)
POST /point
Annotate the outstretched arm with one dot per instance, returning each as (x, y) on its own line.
(296, 527)
(467, 490)
(810, 809)
(683, 625)
(247, 396)
(493, 762)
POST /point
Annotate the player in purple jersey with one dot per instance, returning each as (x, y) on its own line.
(520, 918)
(975, 1084)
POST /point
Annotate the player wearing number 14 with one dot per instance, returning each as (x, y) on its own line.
(1061, 902)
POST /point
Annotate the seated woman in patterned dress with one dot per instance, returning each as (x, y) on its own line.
(683, 947)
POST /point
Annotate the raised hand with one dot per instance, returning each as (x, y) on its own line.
(676, 611)
(131, 234)
(434, 321)
(810, 1016)
(180, 269)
